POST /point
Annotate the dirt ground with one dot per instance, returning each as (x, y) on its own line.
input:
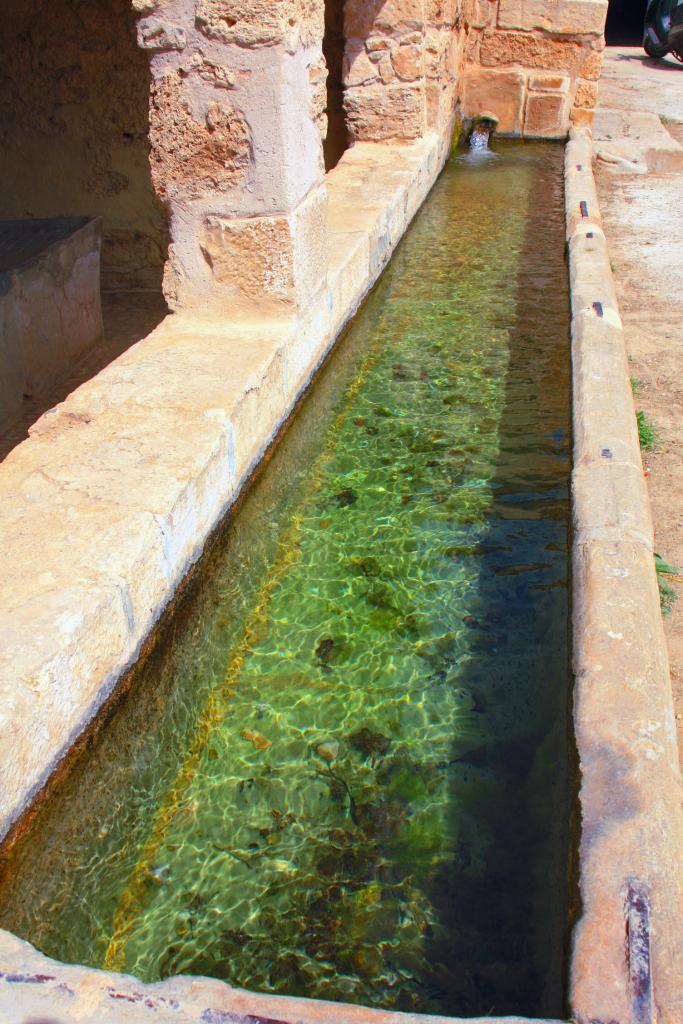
(643, 216)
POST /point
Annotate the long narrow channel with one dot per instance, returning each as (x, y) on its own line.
(344, 770)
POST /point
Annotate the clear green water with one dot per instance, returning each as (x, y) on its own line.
(343, 771)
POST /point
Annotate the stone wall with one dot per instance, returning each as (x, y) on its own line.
(226, 101)
(401, 67)
(238, 116)
(534, 63)
(74, 97)
(238, 119)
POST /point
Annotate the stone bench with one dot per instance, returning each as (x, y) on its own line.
(50, 312)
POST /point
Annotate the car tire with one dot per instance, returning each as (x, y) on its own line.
(652, 50)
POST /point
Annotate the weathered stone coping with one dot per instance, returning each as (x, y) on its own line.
(34, 989)
(630, 796)
(110, 500)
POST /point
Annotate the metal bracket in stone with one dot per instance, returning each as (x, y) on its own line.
(638, 938)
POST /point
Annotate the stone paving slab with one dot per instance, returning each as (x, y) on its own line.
(635, 93)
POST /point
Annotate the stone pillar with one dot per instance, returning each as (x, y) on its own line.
(400, 67)
(236, 152)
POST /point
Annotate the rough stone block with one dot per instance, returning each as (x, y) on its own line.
(257, 23)
(358, 68)
(549, 83)
(547, 116)
(501, 92)
(250, 259)
(194, 154)
(530, 51)
(591, 66)
(154, 34)
(441, 12)
(581, 117)
(479, 13)
(379, 113)
(586, 95)
(407, 62)
(564, 17)
(362, 18)
(263, 263)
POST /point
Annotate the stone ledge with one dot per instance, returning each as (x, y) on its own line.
(630, 796)
(109, 502)
(34, 988)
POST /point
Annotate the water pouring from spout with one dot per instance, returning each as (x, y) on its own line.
(479, 141)
(482, 129)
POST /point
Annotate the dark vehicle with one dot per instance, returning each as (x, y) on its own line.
(663, 30)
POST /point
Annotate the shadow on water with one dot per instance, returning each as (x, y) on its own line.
(342, 771)
(504, 897)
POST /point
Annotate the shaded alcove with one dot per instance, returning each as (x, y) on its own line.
(625, 20)
(337, 141)
(74, 100)
(74, 122)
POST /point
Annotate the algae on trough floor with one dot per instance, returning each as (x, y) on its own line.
(344, 771)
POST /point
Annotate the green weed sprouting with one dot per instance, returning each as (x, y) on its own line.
(667, 594)
(647, 432)
(635, 385)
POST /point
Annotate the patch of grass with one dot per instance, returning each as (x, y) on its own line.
(667, 594)
(613, 266)
(635, 385)
(647, 432)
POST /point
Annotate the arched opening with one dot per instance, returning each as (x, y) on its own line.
(74, 119)
(337, 141)
(625, 20)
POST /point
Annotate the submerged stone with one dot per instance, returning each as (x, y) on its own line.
(323, 651)
(369, 743)
(346, 497)
(255, 738)
(328, 751)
